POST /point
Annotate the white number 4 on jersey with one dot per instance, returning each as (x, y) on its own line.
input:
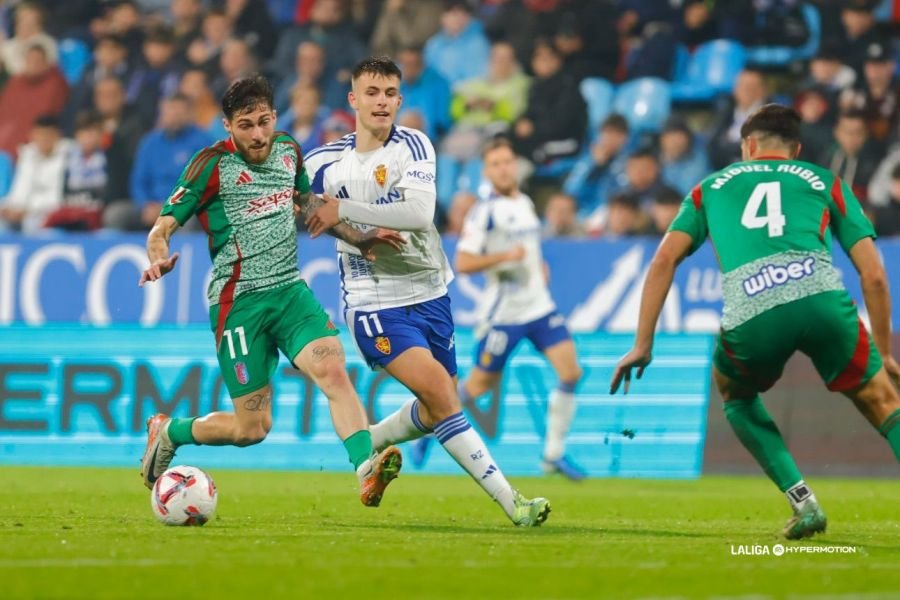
(773, 218)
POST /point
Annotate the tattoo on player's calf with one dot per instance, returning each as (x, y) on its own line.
(257, 402)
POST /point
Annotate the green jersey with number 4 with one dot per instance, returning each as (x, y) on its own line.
(771, 223)
(247, 212)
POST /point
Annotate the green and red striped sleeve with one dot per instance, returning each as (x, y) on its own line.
(848, 221)
(198, 184)
(691, 218)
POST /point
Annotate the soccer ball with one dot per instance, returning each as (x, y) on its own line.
(184, 496)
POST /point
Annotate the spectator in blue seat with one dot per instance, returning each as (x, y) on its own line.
(110, 60)
(683, 162)
(596, 174)
(817, 109)
(750, 92)
(878, 98)
(424, 90)
(157, 77)
(859, 31)
(827, 71)
(330, 26)
(204, 50)
(555, 120)
(460, 50)
(643, 179)
(305, 119)
(404, 24)
(309, 70)
(887, 217)
(853, 157)
(160, 158)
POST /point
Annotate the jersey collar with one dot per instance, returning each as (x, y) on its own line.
(768, 157)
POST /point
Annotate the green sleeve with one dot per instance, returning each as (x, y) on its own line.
(849, 223)
(198, 183)
(691, 219)
(301, 180)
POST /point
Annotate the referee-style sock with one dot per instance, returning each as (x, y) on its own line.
(359, 447)
(760, 436)
(890, 429)
(468, 449)
(179, 431)
(400, 426)
(559, 418)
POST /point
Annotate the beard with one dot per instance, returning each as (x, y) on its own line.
(254, 155)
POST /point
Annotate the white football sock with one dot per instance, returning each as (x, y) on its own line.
(468, 449)
(400, 426)
(559, 418)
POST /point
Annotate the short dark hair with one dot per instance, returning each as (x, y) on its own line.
(774, 120)
(644, 153)
(48, 121)
(668, 197)
(88, 119)
(496, 143)
(160, 34)
(853, 113)
(246, 94)
(376, 65)
(895, 172)
(615, 121)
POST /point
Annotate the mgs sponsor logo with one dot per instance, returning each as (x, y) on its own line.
(423, 176)
(771, 276)
(270, 203)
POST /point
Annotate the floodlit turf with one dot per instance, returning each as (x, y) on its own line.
(89, 533)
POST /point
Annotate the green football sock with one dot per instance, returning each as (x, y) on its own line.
(890, 429)
(180, 431)
(760, 436)
(359, 447)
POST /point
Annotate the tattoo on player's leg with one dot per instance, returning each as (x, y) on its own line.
(322, 352)
(257, 402)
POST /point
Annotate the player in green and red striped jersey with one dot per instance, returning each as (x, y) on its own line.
(772, 220)
(243, 190)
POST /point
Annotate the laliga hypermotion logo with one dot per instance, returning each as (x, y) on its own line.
(380, 175)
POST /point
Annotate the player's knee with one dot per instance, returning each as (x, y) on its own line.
(330, 375)
(251, 433)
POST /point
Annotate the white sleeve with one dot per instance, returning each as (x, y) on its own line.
(474, 232)
(22, 178)
(413, 212)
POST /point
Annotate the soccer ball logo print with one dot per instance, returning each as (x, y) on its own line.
(383, 345)
(380, 175)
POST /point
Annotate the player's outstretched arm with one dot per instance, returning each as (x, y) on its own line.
(466, 262)
(415, 212)
(675, 246)
(308, 203)
(158, 249)
(877, 295)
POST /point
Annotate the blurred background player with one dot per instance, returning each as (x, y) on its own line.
(398, 308)
(243, 190)
(782, 294)
(502, 238)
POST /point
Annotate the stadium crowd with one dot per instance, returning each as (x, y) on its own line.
(103, 102)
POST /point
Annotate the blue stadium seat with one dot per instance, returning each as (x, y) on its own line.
(644, 102)
(6, 173)
(781, 56)
(74, 57)
(598, 94)
(710, 71)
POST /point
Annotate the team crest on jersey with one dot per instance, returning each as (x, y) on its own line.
(485, 359)
(380, 174)
(288, 161)
(177, 195)
(383, 345)
(241, 372)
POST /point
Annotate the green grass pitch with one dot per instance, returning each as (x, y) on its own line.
(90, 533)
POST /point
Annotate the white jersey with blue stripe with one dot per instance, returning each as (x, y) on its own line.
(406, 162)
(516, 292)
